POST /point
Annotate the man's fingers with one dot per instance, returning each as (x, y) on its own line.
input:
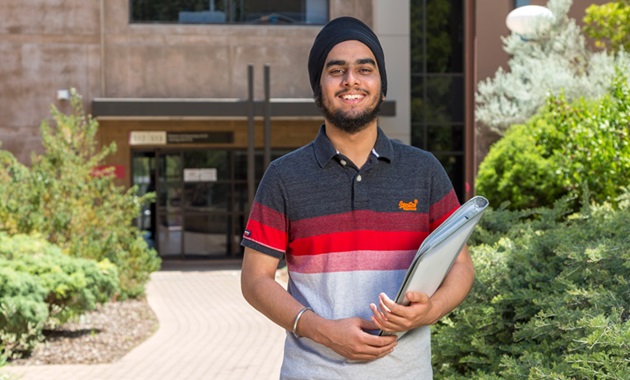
(385, 309)
(386, 303)
(380, 320)
(368, 346)
(377, 312)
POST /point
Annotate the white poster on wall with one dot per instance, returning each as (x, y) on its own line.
(192, 175)
(208, 175)
(200, 175)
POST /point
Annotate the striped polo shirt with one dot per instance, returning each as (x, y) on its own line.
(348, 234)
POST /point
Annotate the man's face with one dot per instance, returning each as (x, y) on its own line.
(350, 95)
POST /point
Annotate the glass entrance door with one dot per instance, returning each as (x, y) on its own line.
(143, 177)
(169, 204)
(207, 202)
(199, 210)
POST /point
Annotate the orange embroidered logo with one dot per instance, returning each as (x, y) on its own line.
(408, 206)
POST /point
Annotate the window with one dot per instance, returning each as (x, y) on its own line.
(257, 12)
(520, 3)
(437, 84)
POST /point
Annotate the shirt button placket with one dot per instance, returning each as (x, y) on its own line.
(360, 191)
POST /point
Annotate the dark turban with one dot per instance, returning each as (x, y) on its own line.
(339, 30)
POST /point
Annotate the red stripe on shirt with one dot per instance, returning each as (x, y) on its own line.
(357, 241)
(266, 235)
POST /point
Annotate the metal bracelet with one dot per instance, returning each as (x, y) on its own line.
(297, 319)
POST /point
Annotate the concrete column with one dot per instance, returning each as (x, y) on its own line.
(391, 24)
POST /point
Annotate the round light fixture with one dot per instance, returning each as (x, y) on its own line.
(528, 20)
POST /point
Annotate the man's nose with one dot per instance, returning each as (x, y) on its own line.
(350, 78)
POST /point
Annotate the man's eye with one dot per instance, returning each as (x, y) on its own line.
(336, 72)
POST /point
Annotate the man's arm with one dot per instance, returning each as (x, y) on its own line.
(425, 310)
(263, 292)
(347, 336)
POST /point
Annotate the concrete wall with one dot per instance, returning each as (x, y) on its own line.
(197, 61)
(490, 23)
(46, 45)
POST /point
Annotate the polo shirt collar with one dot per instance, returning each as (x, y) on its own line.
(325, 151)
(383, 147)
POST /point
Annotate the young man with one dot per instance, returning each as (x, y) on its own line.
(348, 212)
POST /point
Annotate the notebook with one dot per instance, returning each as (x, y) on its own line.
(438, 251)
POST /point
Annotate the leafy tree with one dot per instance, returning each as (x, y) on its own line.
(609, 25)
(67, 198)
(555, 60)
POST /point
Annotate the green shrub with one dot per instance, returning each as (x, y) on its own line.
(69, 199)
(609, 25)
(561, 151)
(72, 285)
(23, 312)
(517, 171)
(550, 298)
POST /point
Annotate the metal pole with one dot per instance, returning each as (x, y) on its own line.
(250, 142)
(267, 111)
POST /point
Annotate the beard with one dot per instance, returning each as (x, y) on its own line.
(347, 123)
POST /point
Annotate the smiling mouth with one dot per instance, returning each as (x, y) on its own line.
(353, 96)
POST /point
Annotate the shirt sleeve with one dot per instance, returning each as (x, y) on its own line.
(267, 226)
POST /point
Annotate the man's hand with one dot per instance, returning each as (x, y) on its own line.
(425, 310)
(348, 338)
(392, 317)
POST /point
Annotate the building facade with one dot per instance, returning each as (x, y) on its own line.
(199, 97)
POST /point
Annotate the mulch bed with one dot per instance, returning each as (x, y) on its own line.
(101, 336)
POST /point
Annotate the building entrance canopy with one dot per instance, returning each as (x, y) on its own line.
(211, 108)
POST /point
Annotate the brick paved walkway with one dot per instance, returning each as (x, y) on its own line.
(207, 331)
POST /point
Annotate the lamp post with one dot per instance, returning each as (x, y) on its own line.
(529, 20)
